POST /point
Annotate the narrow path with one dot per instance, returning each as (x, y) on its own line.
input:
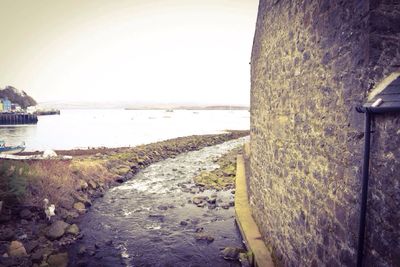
(149, 221)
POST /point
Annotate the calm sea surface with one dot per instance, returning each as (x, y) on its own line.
(117, 128)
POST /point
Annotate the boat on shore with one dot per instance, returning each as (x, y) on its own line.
(4, 149)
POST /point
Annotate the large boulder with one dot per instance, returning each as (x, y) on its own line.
(57, 230)
(17, 249)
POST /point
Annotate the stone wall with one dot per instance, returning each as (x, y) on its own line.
(312, 63)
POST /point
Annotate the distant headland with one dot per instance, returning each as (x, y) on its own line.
(16, 96)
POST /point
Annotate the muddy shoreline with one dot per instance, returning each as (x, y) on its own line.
(27, 238)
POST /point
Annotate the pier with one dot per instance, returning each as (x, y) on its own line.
(17, 118)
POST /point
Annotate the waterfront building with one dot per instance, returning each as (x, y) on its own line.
(15, 107)
(6, 105)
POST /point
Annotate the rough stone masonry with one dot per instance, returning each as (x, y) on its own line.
(312, 63)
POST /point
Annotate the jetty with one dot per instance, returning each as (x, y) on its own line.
(9, 118)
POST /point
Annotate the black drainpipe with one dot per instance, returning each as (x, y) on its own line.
(369, 111)
(364, 192)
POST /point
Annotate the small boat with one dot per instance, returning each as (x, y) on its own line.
(11, 149)
(169, 110)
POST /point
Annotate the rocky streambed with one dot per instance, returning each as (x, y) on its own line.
(161, 218)
(27, 238)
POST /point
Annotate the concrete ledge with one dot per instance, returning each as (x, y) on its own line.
(245, 221)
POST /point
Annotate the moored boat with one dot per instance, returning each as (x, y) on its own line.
(11, 149)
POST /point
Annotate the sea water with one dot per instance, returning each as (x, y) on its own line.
(120, 128)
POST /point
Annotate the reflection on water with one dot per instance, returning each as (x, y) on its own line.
(117, 128)
(15, 134)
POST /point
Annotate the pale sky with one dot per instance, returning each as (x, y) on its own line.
(165, 51)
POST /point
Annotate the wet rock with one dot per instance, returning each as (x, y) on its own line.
(129, 176)
(232, 203)
(72, 229)
(120, 179)
(82, 198)
(212, 206)
(204, 237)
(244, 260)
(225, 206)
(185, 190)
(80, 207)
(25, 214)
(67, 203)
(183, 223)
(199, 199)
(232, 253)
(202, 205)
(68, 215)
(109, 242)
(57, 230)
(7, 234)
(162, 207)
(157, 216)
(212, 200)
(17, 249)
(58, 260)
(199, 229)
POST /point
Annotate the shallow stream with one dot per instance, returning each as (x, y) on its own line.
(150, 220)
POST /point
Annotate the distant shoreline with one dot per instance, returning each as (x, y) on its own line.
(150, 106)
(191, 108)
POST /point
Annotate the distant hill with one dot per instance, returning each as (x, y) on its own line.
(17, 96)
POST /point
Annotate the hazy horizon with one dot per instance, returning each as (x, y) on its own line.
(171, 51)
